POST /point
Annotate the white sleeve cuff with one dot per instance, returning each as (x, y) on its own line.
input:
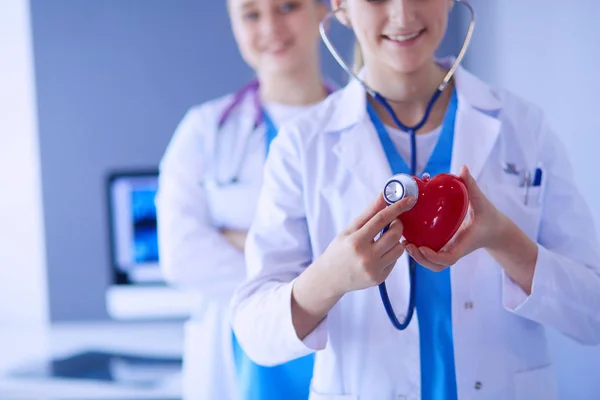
(316, 340)
(263, 325)
(514, 297)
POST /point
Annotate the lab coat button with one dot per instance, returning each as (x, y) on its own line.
(477, 385)
(468, 305)
(401, 397)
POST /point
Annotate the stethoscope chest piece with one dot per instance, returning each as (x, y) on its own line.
(400, 186)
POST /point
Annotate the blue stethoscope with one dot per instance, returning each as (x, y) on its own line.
(401, 185)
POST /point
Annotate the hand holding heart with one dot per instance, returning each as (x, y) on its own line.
(354, 260)
(482, 229)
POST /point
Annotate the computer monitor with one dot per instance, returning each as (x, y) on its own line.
(138, 290)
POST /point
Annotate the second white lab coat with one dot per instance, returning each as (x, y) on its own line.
(195, 200)
(327, 167)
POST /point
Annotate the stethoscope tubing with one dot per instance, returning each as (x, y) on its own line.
(412, 130)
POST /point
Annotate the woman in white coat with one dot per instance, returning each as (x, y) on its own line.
(210, 178)
(527, 257)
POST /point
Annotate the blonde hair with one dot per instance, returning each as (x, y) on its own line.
(358, 61)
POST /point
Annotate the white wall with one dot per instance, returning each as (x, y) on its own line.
(548, 51)
(23, 294)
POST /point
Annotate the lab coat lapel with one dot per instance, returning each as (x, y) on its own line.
(477, 126)
(476, 130)
(474, 138)
(360, 150)
(358, 147)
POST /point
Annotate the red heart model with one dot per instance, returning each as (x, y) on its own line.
(440, 209)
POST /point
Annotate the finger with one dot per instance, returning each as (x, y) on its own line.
(459, 236)
(466, 177)
(376, 206)
(385, 217)
(466, 241)
(390, 238)
(470, 182)
(393, 255)
(441, 258)
(463, 244)
(420, 258)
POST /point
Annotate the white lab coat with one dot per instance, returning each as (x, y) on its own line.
(191, 208)
(194, 201)
(326, 168)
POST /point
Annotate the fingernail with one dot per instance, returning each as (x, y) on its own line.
(412, 201)
(409, 250)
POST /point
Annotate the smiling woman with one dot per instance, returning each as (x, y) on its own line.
(278, 38)
(324, 238)
(216, 157)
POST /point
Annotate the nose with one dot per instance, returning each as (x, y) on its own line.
(402, 12)
(271, 24)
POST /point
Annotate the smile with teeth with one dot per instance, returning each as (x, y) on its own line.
(277, 47)
(404, 38)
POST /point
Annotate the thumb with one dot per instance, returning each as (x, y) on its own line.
(377, 205)
(476, 196)
(470, 182)
(465, 175)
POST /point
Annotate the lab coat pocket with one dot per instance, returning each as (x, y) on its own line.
(538, 383)
(523, 207)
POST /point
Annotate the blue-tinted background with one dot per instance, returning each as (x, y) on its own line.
(114, 78)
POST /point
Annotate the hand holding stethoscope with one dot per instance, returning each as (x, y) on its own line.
(354, 260)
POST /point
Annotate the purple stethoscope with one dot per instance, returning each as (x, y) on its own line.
(249, 89)
(260, 117)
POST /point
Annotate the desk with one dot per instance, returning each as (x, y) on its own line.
(22, 346)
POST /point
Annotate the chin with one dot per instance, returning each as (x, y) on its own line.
(408, 65)
(284, 65)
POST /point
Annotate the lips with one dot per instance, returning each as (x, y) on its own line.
(277, 48)
(404, 38)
